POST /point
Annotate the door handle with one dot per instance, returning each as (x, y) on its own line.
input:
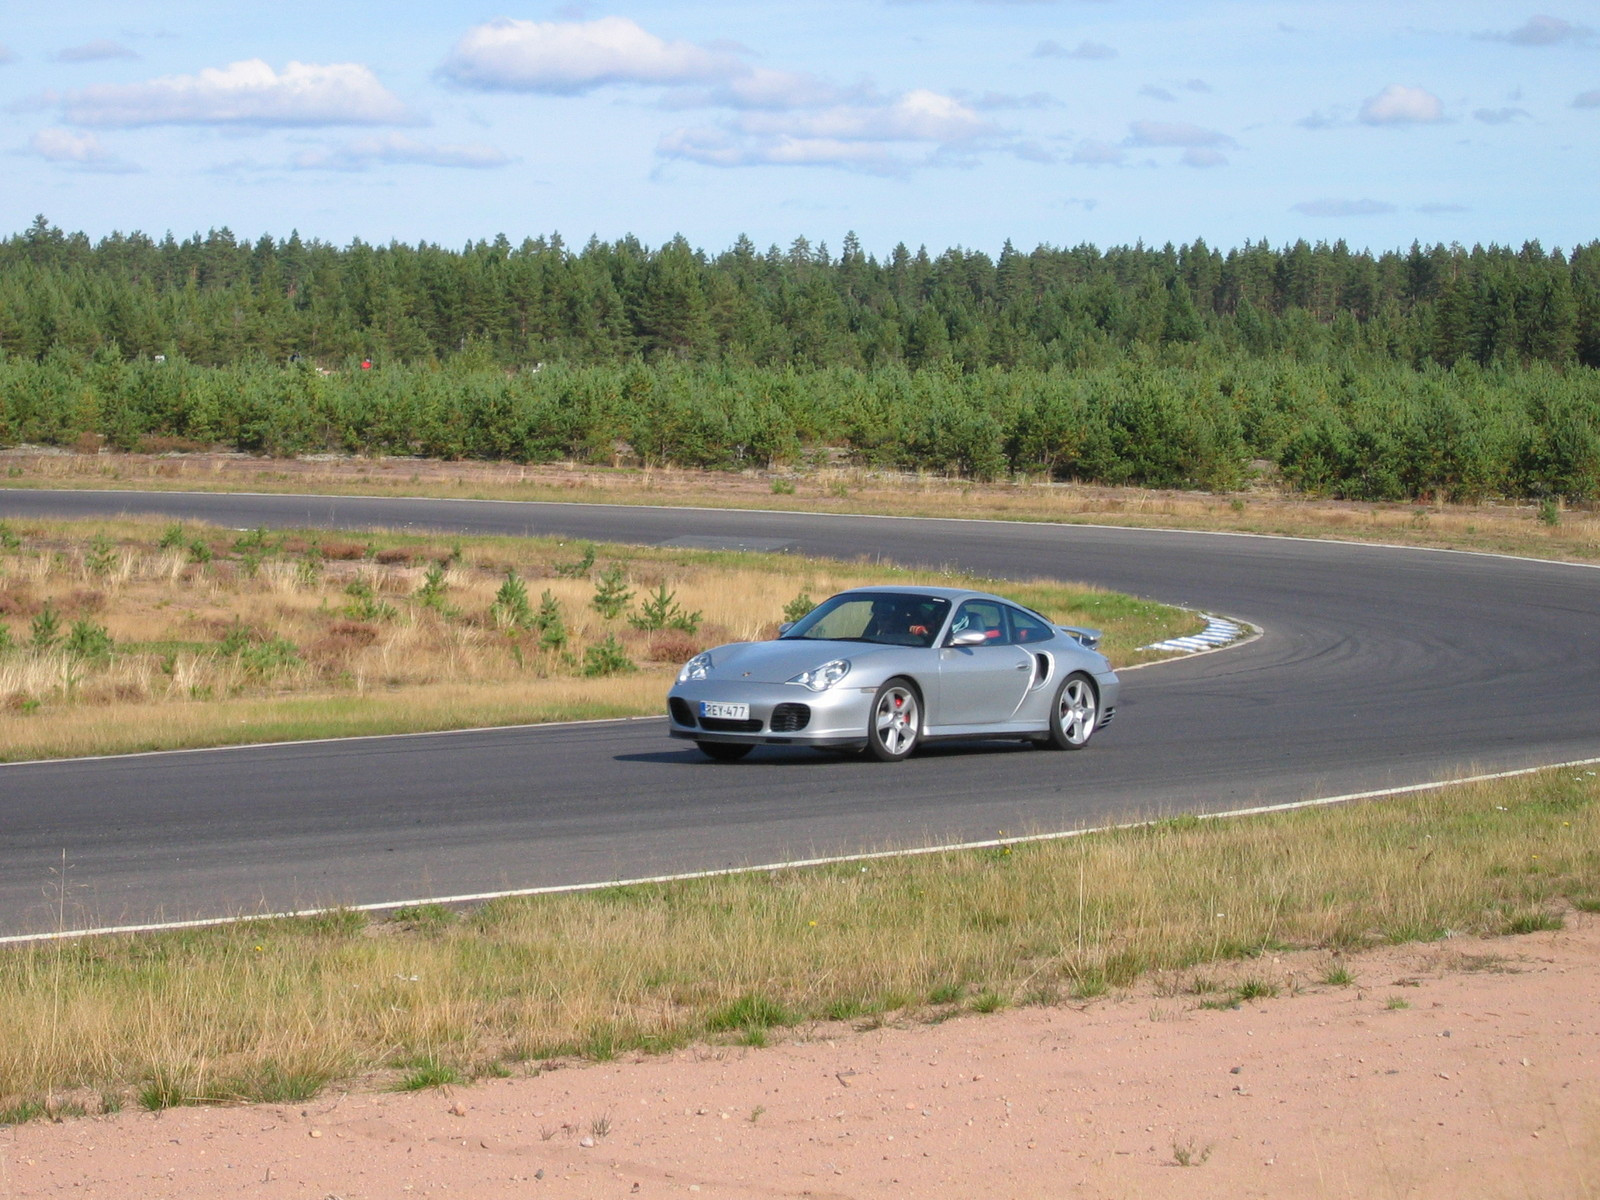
(1024, 666)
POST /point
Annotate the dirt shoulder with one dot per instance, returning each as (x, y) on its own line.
(1460, 1068)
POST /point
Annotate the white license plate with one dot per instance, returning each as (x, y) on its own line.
(724, 712)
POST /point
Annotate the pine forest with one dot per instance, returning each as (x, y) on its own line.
(1435, 371)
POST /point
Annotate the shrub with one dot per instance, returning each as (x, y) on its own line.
(46, 629)
(611, 593)
(89, 641)
(511, 609)
(607, 658)
(660, 610)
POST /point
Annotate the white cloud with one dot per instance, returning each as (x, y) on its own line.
(1174, 133)
(1085, 50)
(1501, 116)
(1343, 208)
(569, 57)
(244, 93)
(1542, 30)
(1587, 99)
(1090, 153)
(1401, 105)
(765, 88)
(72, 149)
(398, 149)
(916, 116)
(98, 50)
(1203, 156)
(63, 145)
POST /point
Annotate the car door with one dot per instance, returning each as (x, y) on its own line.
(982, 683)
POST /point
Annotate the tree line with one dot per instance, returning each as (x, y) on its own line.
(217, 300)
(1359, 431)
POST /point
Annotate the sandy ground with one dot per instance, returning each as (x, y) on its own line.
(1464, 1069)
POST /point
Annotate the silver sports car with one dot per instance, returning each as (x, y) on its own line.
(886, 668)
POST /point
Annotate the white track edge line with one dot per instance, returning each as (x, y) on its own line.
(793, 864)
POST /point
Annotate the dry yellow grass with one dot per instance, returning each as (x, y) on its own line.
(1504, 527)
(275, 1009)
(222, 638)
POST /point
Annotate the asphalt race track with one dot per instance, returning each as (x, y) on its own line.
(1379, 667)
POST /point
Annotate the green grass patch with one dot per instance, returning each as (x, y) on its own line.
(428, 1073)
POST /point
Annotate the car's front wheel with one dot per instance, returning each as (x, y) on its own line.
(895, 723)
(724, 751)
(1073, 714)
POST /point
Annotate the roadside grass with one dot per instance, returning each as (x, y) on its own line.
(143, 634)
(269, 1009)
(1545, 530)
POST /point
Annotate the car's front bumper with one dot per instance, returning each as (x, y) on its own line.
(781, 714)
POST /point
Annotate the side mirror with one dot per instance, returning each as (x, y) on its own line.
(784, 627)
(969, 637)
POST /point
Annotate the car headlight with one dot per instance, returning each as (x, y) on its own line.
(820, 679)
(697, 667)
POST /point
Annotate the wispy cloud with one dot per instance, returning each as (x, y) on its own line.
(244, 93)
(1174, 133)
(875, 136)
(1091, 153)
(879, 136)
(1157, 93)
(761, 87)
(396, 149)
(998, 101)
(1542, 30)
(1501, 116)
(1398, 104)
(1085, 50)
(6, 56)
(98, 50)
(1442, 208)
(1343, 208)
(81, 151)
(725, 148)
(570, 57)
(1203, 156)
(1587, 99)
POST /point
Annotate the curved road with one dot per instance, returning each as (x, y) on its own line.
(1379, 667)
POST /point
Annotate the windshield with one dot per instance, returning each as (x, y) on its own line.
(881, 618)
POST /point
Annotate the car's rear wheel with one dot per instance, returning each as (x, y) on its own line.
(1073, 714)
(725, 751)
(895, 723)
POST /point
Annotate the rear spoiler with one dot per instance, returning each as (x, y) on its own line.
(1089, 638)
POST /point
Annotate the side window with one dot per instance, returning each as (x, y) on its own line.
(1027, 628)
(984, 615)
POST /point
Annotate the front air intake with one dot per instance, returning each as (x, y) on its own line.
(790, 718)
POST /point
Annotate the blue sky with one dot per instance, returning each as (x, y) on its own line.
(937, 122)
